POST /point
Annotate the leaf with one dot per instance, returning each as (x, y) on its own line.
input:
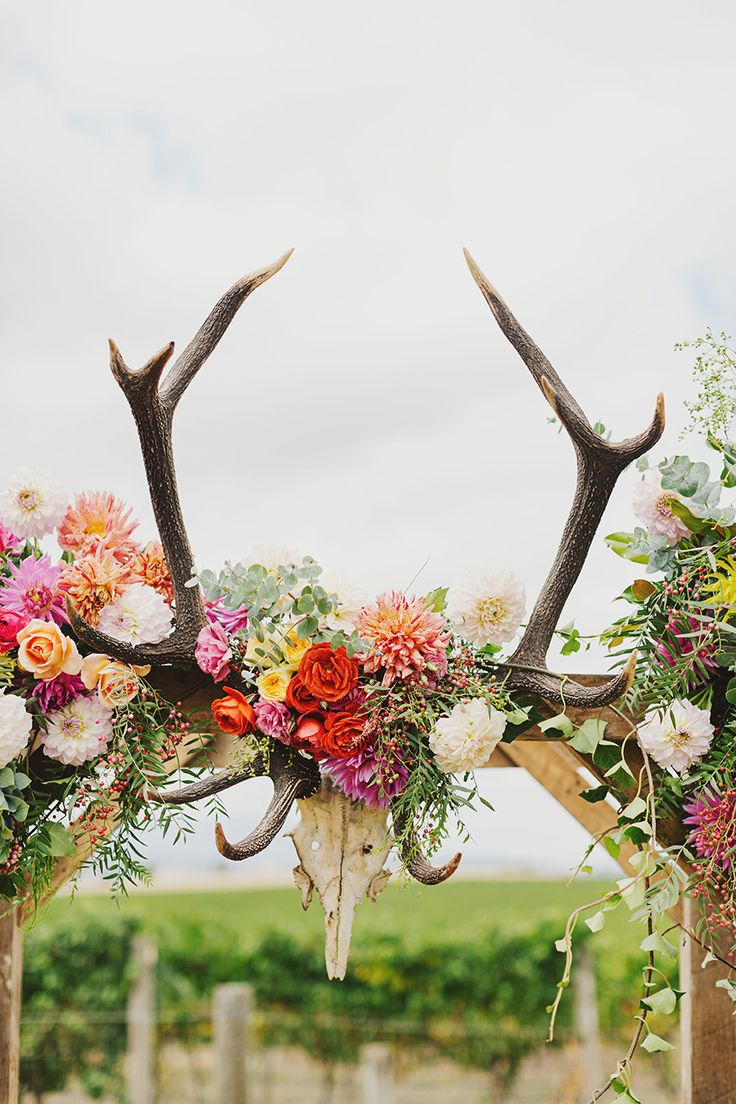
(634, 809)
(659, 945)
(561, 945)
(664, 1001)
(588, 736)
(596, 922)
(437, 599)
(642, 589)
(596, 793)
(560, 723)
(612, 846)
(654, 1043)
(622, 544)
(60, 842)
(731, 692)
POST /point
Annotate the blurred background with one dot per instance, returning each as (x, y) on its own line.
(363, 407)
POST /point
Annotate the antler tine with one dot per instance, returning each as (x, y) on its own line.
(599, 464)
(152, 404)
(293, 776)
(207, 787)
(417, 864)
(207, 337)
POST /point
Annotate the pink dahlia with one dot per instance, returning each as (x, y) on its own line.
(692, 643)
(713, 821)
(371, 777)
(98, 520)
(32, 590)
(406, 638)
(8, 541)
(55, 693)
(231, 620)
(213, 653)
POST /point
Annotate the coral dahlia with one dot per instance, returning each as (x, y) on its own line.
(149, 566)
(406, 638)
(97, 519)
(94, 581)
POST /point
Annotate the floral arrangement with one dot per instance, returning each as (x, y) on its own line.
(82, 736)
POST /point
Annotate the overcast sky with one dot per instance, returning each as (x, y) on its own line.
(363, 406)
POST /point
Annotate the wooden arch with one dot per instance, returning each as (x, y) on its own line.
(708, 1026)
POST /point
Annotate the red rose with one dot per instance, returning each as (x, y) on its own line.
(344, 734)
(10, 625)
(298, 697)
(328, 674)
(234, 713)
(309, 733)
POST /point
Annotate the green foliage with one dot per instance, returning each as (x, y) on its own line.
(714, 373)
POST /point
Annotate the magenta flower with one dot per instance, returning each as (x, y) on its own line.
(8, 541)
(691, 642)
(58, 692)
(231, 620)
(32, 590)
(272, 719)
(713, 821)
(373, 779)
(213, 653)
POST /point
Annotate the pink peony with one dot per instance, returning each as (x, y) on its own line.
(231, 620)
(8, 541)
(56, 693)
(373, 778)
(272, 719)
(213, 653)
(407, 638)
(32, 590)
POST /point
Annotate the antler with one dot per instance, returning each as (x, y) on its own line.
(292, 775)
(416, 862)
(599, 464)
(153, 403)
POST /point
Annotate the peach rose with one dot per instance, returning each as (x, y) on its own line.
(45, 652)
(116, 682)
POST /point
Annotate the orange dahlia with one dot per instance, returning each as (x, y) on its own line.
(93, 581)
(98, 520)
(149, 566)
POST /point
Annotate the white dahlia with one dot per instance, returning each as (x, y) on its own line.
(78, 732)
(489, 608)
(15, 727)
(682, 734)
(32, 505)
(653, 508)
(465, 739)
(138, 616)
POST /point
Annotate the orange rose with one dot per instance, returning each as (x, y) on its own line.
(116, 682)
(328, 675)
(45, 652)
(234, 713)
(298, 698)
(343, 734)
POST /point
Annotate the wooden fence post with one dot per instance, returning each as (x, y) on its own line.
(11, 976)
(586, 1023)
(141, 1018)
(231, 1021)
(376, 1074)
(707, 1025)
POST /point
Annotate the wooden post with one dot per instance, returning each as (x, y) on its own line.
(376, 1074)
(586, 1023)
(231, 1021)
(141, 1057)
(11, 975)
(707, 1026)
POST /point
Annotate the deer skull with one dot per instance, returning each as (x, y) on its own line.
(342, 847)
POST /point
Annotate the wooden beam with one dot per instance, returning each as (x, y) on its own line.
(11, 974)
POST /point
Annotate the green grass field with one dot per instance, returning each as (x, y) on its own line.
(455, 910)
